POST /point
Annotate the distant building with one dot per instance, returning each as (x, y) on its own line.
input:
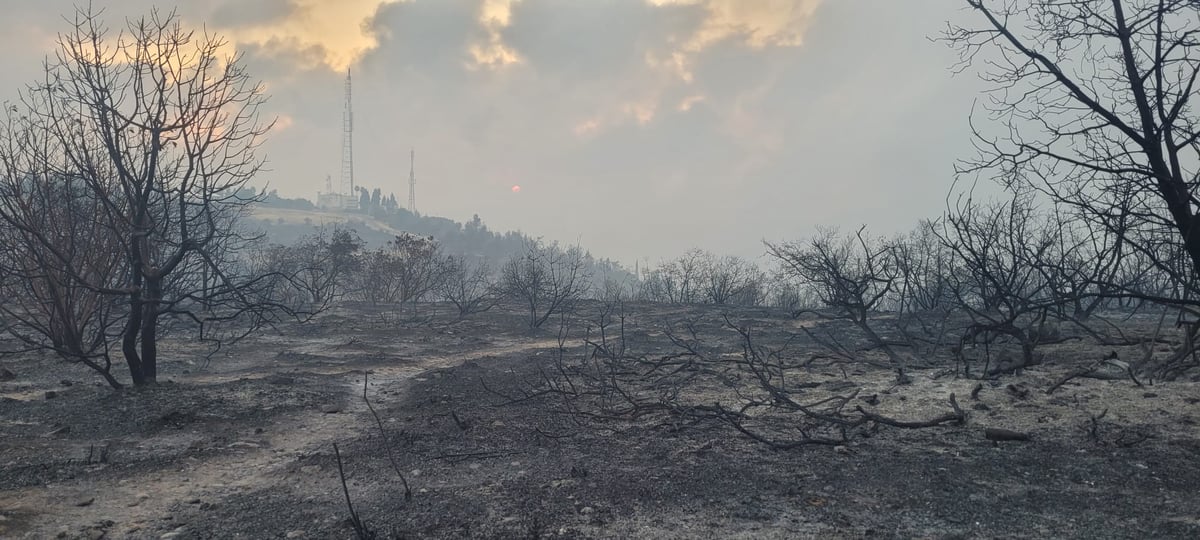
(328, 200)
(337, 201)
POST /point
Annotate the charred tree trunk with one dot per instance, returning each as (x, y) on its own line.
(133, 328)
(149, 332)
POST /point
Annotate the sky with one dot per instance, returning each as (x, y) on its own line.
(638, 128)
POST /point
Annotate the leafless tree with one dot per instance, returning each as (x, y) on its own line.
(546, 278)
(998, 283)
(324, 261)
(678, 281)
(783, 291)
(731, 280)
(923, 265)
(151, 134)
(1094, 101)
(469, 285)
(421, 266)
(922, 297)
(701, 277)
(406, 270)
(852, 274)
(59, 267)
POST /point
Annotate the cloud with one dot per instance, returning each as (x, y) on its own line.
(335, 27)
(754, 23)
(492, 52)
(260, 13)
(639, 127)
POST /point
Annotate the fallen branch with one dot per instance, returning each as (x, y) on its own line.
(1070, 376)
(956, 417)
(1001, 434)
(489, 454)
(360, 529)
(387, 445)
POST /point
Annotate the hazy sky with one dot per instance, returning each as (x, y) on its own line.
(640, 127)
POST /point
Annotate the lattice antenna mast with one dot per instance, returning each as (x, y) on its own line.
(348, 142)
(412, 181)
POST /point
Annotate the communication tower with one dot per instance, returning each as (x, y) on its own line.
(412, 181)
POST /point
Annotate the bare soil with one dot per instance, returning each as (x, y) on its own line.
(241, 445)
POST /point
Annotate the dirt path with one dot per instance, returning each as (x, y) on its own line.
(143, 503)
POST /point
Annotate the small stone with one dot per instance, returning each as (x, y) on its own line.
(66, 383)
(51, 394)
(587, 510)
(178, 532)
(310, 469)
(1149, 395)
(86, 501)
(258, 430)
(295, 534)
(841, 449)
(193, 501)
(331, 408)
(6, 375)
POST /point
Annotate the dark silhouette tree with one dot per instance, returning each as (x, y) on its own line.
(1095, 102)
(122, 179)
(547, 279)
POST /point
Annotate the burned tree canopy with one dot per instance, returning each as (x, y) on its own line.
(121, 185)
(1093, 101)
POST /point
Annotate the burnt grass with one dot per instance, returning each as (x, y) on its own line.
(241, 445)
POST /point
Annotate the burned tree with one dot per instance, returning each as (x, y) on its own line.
(851, 274)
(997, 283)
(731, 280)
(406, 270)
(468, 285)
(59, 268)
(679, 281)
(547, 279)
(324, 260)
(120, 193)
(1094, 98)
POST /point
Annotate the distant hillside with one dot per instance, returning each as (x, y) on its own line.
(286, 220)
